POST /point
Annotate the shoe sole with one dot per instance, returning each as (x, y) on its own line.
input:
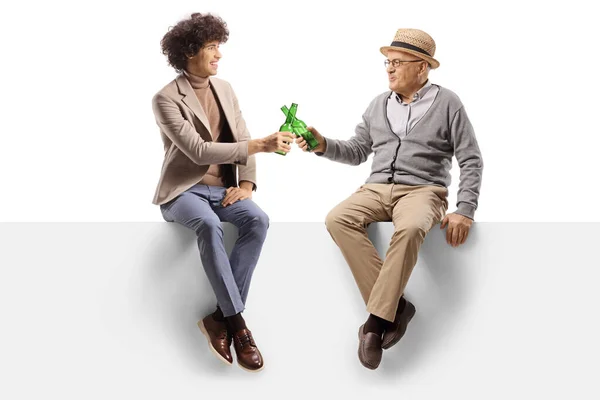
(251, 370)
(413, 311)
(210, 346)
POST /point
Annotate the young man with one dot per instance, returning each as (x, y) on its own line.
(209, 174)
(414, 130)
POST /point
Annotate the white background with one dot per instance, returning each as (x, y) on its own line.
(109, 310)
(79, 141)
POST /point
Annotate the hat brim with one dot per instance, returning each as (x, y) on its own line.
(432, 61)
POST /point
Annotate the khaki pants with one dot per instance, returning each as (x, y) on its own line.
(414, 210)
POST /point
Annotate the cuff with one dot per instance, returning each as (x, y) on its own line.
(328, 148)
(248, 180)
(466, 209)
(242, 157)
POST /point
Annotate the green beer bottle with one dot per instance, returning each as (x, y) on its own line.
(299, 127)
(286, 127)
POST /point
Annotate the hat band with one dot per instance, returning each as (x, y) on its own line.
(410, 47)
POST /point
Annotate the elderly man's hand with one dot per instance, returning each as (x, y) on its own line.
(458, 228)
(318, 137)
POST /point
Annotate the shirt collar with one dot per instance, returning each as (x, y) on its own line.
(417, 96)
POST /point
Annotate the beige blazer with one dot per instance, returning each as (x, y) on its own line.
(188, 143)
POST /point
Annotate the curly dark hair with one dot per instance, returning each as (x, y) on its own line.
(189, 35)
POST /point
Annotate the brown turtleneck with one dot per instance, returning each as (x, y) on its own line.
(214, 113)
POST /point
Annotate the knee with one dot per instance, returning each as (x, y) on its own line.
(333, 220)
(259, 221)
(208, 226)
(411, 231)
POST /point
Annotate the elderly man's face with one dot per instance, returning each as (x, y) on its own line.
(406, 75)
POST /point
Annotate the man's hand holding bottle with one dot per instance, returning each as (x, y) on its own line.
(320, 148)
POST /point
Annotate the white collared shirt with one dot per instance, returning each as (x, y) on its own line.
(404, 116)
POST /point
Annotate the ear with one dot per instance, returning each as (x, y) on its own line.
(191, 55)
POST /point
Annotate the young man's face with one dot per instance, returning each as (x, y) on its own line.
(205, 63)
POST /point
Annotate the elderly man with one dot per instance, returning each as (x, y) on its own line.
(413, 130)
(207, 147)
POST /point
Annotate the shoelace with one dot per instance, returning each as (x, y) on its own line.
(245, 340)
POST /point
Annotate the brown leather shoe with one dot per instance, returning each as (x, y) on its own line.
(397, 329)
(369, 348)
(219, 340)
(248, 355)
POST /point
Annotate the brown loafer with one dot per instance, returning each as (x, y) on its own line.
(369, 348)
(397, 329)
(248, 355)
(219, 341)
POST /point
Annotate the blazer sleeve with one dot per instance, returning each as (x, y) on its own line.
(246, 171)
(182, 133)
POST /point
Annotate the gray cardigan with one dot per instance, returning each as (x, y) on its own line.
(424, 156)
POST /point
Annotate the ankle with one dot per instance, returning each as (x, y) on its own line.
(236, 323)
(375, 325)
(401, 304)
(218, 315)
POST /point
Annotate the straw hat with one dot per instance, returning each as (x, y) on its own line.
(415, 42)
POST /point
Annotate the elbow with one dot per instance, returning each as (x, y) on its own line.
(474, 162)
(198, 157)
(478, 163)
(360, 158)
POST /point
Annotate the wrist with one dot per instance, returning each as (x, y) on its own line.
(466, 210)
(321, 148)
(247, 185)
(256, 146)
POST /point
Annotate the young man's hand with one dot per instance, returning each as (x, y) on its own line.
(234, 194)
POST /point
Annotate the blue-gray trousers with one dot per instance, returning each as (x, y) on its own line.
(199, 208)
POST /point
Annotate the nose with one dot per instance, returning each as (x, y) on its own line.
(218, 54)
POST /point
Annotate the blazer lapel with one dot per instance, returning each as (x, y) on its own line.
(225, 101)
(189, 99)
